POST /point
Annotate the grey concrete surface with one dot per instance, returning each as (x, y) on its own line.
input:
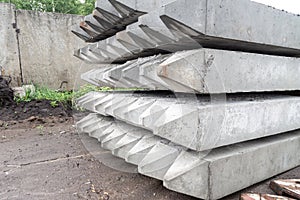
(135, 145)
(45, 44)
(133, 4)
(209, 174)
(202, 71)
(202, 146)
(9, 55)
(107, 19)
(199, 124)
(230, 169)
(213, 24)
(110, 17)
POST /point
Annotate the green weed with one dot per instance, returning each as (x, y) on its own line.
(56, 98)
(41, 129)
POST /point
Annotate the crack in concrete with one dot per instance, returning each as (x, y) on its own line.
(46, 161)
(41, 162)
(19, 49)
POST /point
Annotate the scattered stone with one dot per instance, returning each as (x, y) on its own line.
(24, 90)
(32, 118)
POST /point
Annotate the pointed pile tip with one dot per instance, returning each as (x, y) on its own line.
(157, 162)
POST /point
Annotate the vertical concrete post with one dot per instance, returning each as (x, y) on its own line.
(9, 54)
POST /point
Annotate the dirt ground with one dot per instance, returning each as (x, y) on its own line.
(43, 157)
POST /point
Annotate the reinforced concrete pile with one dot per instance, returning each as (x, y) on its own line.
(212, 113)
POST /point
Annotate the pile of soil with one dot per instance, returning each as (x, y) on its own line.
(40, 111)
(6, 93)
(33, 109)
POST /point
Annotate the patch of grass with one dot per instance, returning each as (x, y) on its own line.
(64, 98)
(58, 97)
(54, 104)
(43, 93)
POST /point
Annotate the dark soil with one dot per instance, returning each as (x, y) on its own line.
(6, 93)
(35, 108)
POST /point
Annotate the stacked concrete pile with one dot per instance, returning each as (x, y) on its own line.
(214, 113)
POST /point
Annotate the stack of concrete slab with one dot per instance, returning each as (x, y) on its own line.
(209, 102)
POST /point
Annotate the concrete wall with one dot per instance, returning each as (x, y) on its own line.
(9, 61)
(46, 47)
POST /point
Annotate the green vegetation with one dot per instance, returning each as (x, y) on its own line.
(60, 6)
(41, 129)
(65, 98)
(57, 97)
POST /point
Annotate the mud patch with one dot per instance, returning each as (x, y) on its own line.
(6, 93)
(36, 108)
